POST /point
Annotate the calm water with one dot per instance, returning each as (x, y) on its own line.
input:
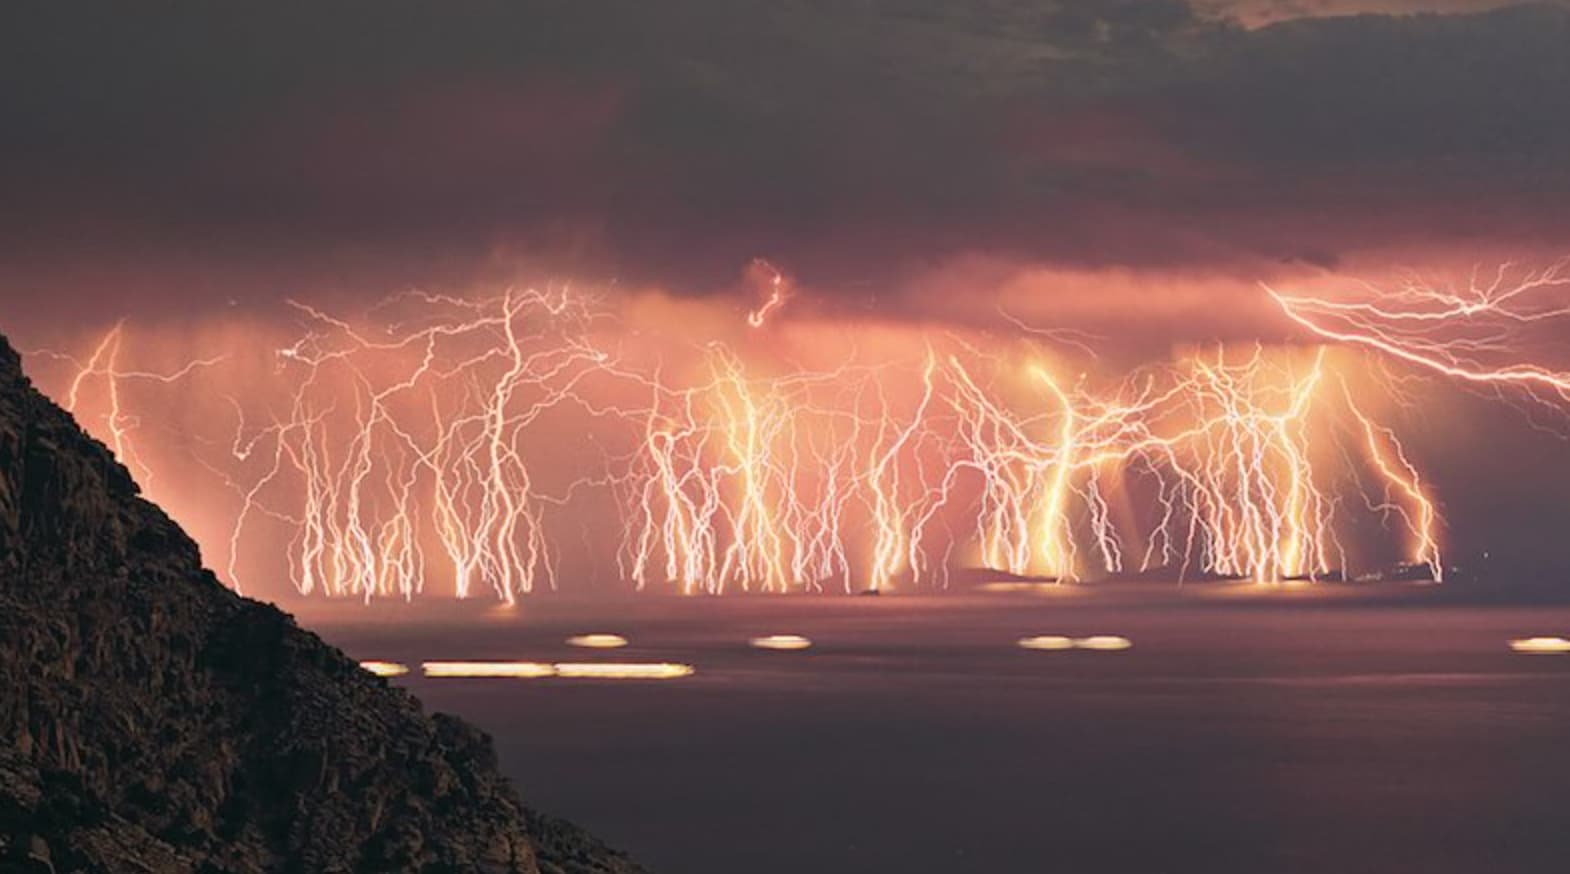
(1240, 734)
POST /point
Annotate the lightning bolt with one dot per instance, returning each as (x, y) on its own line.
(415, 448)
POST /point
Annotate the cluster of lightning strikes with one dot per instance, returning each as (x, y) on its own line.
(1477, 334)
(422, 447)
(102, 366)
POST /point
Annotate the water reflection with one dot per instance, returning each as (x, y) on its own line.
(597, 641)
(781, 642)
(1541, 645)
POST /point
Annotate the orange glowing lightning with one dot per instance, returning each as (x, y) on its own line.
(103, 368)
(778, 289)
(1452, 331)
(420, 447)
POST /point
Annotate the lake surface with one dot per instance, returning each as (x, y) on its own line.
(1244, 732)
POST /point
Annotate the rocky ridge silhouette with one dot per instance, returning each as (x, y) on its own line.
(157, 722)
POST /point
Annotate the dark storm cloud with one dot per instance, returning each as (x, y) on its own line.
(1261, 12)
(852, 141)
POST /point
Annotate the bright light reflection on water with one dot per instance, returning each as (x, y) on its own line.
(781, 642)
(385, 669)
(1047, 642)
(566, 670)
(1104, 643)
(511, 670)
(1541, 646)
(598, 641)
(623, 670)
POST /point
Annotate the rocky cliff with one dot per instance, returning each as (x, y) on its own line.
(154, 721)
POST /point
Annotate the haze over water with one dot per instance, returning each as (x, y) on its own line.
(1382, 730)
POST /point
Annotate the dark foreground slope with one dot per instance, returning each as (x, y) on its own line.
(153, 721)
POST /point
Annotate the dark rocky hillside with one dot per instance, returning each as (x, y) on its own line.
(153, 721)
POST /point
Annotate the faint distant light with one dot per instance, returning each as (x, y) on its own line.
(1104, 643)
(623, 670)
(781, 642)
(598, 641)
(568, 670)
(512, 670)
(385, 669)
(1541, 645)
(1005, 588)
(1046, 641)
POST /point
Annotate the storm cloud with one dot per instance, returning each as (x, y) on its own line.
(223, 154)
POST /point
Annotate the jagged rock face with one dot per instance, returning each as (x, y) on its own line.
(157, 722)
